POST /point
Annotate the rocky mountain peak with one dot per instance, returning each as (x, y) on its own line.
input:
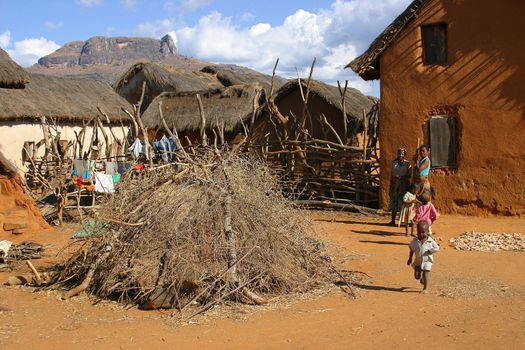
(167, 46)
(110, 51)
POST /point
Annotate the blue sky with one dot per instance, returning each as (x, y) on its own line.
(250, 33)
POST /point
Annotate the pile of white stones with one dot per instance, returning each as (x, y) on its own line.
(489, 242)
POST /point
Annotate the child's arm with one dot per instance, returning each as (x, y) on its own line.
(434, 248)
(410, 254)
(434, 214)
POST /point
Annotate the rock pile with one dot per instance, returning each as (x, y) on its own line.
(489, 242)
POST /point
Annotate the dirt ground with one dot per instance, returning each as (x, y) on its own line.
(477, 301)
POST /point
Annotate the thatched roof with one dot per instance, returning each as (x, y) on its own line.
(12, 76)
(166, 78)
(367, 64)
(230, 75)
(231, 105)
(355, 101)
(60, 98)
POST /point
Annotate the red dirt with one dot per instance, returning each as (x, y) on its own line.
(390, 312)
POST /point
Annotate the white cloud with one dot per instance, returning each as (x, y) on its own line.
(27, 52)
(190, 5)
(128, 3)
(53, 25)
(335, 35)
(247, 17)
(89, 3)
(156, 29)
(5, 39)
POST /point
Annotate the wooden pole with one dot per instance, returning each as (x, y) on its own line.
(204, 140)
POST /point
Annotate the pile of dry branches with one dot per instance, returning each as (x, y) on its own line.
(215, 227)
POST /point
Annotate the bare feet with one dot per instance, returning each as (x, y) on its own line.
(424, 291)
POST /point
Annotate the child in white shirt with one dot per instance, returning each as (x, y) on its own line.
(408, 212)
(423, 247)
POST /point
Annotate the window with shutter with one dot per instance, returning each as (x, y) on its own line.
(442, 137)
(434, 38)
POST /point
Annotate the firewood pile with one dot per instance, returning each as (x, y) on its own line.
(212, 228)
(489, 242)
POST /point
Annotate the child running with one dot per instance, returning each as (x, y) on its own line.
(423, 247)
(407, 213)
(426, 211)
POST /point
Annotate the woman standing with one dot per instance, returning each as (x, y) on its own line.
(399, 182)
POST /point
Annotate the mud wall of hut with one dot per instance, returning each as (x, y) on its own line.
(13, 134)
(481, 87)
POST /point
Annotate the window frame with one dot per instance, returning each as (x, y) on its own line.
(444, 25)
(454, 142)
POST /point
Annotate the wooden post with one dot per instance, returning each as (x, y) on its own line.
(342, 92)
(204, 140)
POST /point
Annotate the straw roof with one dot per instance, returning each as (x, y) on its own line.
(355, 101)
(61, 98)
(229, 105)
(11, 74)
(165, 78)
(230, 75)
(367, 64)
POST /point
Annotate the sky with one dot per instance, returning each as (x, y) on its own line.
(252, 33)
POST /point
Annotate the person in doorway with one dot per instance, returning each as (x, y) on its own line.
(422, 247)
(399, 182)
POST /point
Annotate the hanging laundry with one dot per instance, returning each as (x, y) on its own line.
(111, 168)
(104, 183)
(137, 148)
(116, 178)
(123, 167)
(81, 168)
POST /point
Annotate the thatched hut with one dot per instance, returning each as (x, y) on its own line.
(160, 78)
(230, 75)
(324, 100)
(65, 102)
(12, 76)
(224, 109)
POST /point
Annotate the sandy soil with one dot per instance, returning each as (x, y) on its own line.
(477, 301)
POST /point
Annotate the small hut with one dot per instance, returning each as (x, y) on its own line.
(324, 146)
(230, 75)
(159, 79)
(227, 111)
(68, 106)
(324, 103)
(12, 76)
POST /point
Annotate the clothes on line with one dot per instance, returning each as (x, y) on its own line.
(81, 167)
(104, 183)
(165, 148)
(137, 147)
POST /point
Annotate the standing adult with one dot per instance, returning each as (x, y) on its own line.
(399, 182)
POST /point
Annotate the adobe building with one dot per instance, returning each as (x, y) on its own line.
(452, 74)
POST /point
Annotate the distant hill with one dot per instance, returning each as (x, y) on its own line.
(107, 58)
